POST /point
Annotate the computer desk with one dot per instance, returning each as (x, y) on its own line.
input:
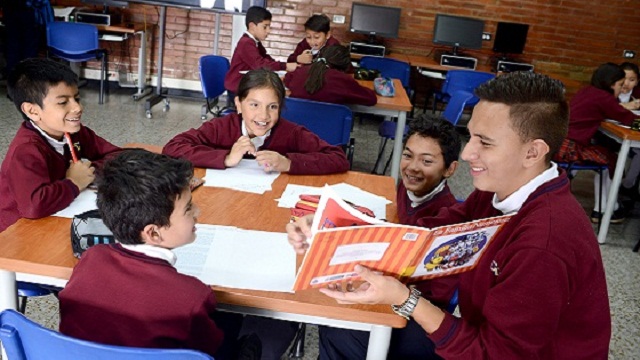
(40, 251)
(126, 29)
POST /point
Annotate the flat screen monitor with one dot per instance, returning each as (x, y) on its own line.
(510, 38)
(375, 21)
(458, 31)
(108, 3)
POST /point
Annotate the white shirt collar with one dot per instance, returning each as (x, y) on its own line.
(153, 251)
(257, 141)
(58, 145)
(514, 202)
(252, 37)
(625, 98)
(417, 201)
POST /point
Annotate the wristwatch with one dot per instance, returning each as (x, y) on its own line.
(408, 306)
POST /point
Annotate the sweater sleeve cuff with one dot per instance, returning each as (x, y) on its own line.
(73, 187)
(447, 330)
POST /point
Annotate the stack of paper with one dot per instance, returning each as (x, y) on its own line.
(247, 176)
(84, 202)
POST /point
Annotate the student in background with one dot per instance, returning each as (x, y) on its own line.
(539, 291)
(326, 80)
(630, 99)
(317, 35)
(589, 107)
(39, 176)
(257, 131)
(250, 54)
(129, 293)
(429, 158)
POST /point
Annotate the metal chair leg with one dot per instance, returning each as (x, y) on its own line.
(380, 154)
(637, 247)
(297, 349)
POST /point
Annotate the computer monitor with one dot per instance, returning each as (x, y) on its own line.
(458, 32)
(375, 21)
(106, 4)
(510, 38)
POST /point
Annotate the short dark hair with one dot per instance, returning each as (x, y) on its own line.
(606, 75)
(318, 23)
(261, 79)
(630, 66)
(32, 78)
(137, 188)
(256, 15)
(537, 107)
(330, 57)
(442, 131)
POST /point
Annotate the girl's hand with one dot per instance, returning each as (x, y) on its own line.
(242, 146)
(272, 161)
(377, 289)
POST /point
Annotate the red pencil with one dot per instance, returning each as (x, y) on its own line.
(72, 150)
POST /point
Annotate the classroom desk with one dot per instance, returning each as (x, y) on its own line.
(132, 29)
(40, 251)
(397, 106)
(628, 139)
(429, 63)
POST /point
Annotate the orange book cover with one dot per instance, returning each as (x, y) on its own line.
(343, 237)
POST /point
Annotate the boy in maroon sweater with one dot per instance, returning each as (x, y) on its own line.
(38, 176)
(540, 290)
(250, 54)
(129, 294)
(317, 36)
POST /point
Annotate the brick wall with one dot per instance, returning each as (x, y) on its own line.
(567, 38)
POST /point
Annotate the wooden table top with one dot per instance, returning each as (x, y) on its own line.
(399, 102)
(621, 132)
(124, 28)
(43, 247)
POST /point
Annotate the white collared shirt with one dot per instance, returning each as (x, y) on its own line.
(514, 202)
(58, 145)
(153, 251)
(625, 98)
(417, 201)
(252, 37)
(257, 141)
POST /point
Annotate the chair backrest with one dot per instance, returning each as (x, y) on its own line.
(465, 80)
(388, 67)
(453, 302)
(331, 122)
(213, 69)
(24, 339)
(456, 105)
(72, 38)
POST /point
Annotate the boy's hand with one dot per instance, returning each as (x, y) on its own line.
(81, 174)
(242, 146)
(298, 233)
(292, 66)
(305, 58)
(272, 161)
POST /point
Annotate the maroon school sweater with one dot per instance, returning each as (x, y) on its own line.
(121, 297)
(538, 292)
(304, 45)
(208, 145)
(338, 88)
(588, 108)
(33, 180)
(249, 55)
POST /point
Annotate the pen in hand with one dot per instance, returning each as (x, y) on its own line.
(72, 150)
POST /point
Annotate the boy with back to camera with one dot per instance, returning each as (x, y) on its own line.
(539, 291)
(317, 36)
(39, 175)
(130, 294)
(250, 54)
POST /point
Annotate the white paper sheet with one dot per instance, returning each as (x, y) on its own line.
(85, 201)
(247, 176)
(377, 204)
(237, 258)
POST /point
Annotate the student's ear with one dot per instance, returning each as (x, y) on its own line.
(236, 100)
(151, 235)
(328, 34)
(536, 153)
(31, 110)
(451, 169)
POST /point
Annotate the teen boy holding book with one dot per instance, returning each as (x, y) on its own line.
(539, 291)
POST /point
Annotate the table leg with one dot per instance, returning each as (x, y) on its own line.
(8, 290)
(397, 145)
(143, 90)
(379, 339)
(613, 192)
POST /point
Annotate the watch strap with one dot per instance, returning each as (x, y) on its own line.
(408, 306)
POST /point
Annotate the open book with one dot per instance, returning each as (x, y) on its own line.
(343, 237)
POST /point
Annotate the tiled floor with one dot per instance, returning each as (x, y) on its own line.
(122, 121)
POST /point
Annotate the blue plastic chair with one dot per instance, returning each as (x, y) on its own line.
(27, 290)
(456, 106)
(213, 69)
(453, 302)
(570, 167)
(77, 42)
(391, 68)
(24, 339)
(465, 80)
(331, 122)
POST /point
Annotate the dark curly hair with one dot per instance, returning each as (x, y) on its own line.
(440, 130)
